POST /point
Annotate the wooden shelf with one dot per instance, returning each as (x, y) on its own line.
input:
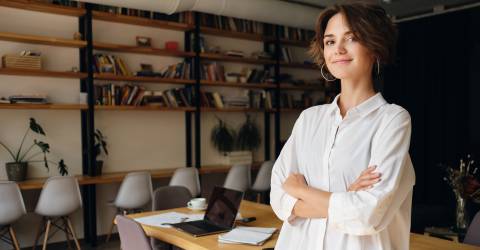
(111, 77)
(7, 36)
(231, 34)
(42, 73)
(220, 57)
(43, 7)
(140, 50)
(238, 85)
(286, 86)
(210, 109)
(298, 65)
(142, 108)
(141, 21)
(106, 178)
(45, 106)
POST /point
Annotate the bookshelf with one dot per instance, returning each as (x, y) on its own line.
(118, 18)
(43, 7)
(42, 73)
(86, 15)
(52, 41)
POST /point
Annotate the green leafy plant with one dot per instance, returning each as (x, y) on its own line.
(248, 137)
(100, 144)
(223, 137)
(36, 149)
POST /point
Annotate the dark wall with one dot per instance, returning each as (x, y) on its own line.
(437, 79)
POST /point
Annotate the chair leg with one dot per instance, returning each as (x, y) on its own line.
(258, 197)
(111, 229)
(73, 233)
(40, 229)
(67, 232)
(14, 239)
(47, 229)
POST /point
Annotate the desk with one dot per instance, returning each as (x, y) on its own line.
(37, 183)
(266, 218)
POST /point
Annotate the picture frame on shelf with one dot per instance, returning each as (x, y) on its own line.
(143, 41)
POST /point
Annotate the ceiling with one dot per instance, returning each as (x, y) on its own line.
(399, 8)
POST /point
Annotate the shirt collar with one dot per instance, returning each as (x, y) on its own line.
(364, 108)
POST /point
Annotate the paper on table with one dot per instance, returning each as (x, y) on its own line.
(247, 235)
(167, 218)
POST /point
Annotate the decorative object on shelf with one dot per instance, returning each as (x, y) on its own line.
(223, 137)
(100, 146)
(17, 170)
(74, 69)
(77, 36)
(464, 183)
(143, 41)
(29, 99)
(25, 60)
(171, 45)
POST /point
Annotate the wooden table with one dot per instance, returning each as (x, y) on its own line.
(266, 218)
(37, 183)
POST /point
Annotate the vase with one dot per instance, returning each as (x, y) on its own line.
(16, 171)
(461, 217)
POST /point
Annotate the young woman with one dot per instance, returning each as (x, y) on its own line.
(344, 178)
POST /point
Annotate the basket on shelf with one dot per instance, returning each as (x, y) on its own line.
(21, 62)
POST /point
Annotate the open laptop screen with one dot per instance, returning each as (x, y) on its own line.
(223, 207)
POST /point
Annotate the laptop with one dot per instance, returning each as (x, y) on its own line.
(219, 217)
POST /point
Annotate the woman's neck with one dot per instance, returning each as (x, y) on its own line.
(353, 93)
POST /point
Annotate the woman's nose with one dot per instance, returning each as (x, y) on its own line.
(340, 48)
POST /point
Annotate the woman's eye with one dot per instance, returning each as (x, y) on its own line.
(329, 43)
(350, 39)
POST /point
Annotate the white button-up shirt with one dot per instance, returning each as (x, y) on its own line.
(331, 153)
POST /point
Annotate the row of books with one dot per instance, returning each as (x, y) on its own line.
(231, 24)
(68, 3)
(183, 17)
(134, 95)
(296, 34)
(110, 64)
(216, 72)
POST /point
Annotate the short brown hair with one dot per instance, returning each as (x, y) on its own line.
(368, 22)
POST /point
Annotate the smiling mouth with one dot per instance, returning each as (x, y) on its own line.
(342, 61)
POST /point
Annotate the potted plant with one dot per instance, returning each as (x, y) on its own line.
(17, 169)
(223, 137)
(100, 145)
(248, 140)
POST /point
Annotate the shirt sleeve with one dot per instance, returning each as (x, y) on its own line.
(281, 202)
(370, 211)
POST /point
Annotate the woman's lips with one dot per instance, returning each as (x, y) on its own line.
(343, 61)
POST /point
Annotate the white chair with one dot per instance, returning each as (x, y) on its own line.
(187, 177)
(12, 208)
(59, 198)
(238, 178)
(263, 179)
(134, 193)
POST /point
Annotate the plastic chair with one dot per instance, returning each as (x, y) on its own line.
(134, 193)
(12, 208)
(238, 178)
(59, 198)
(187, 177)
(473, 233)
(132, 236)
(168, 197)
(263, 179)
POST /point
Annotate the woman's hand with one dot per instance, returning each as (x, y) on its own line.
(294, 184)
(366, 180)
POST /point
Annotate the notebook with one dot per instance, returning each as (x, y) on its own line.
(220, 215)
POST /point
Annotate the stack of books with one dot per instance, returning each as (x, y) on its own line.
(29, 99)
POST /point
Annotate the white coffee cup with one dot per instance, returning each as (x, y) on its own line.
(197, 203)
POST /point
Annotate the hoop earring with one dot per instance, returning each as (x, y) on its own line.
(326, 79)
(378, 67)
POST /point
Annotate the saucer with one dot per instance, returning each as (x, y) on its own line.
(197, 208)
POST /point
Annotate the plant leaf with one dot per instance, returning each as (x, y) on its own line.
(62, 168)
(35, 127)
(45, 147)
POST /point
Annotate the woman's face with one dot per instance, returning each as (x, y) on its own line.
(344, 56)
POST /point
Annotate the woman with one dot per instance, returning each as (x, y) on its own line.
(322, 186)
